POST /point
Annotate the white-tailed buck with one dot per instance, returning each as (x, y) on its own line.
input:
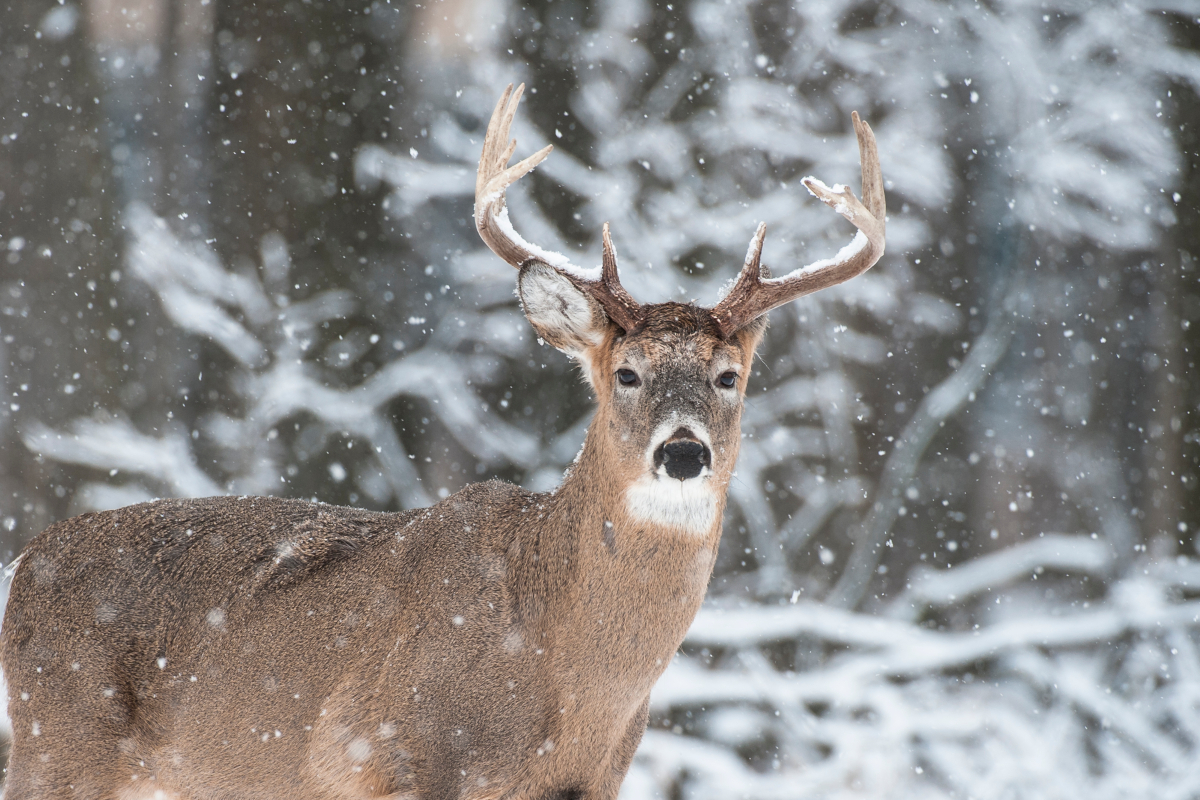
(501, 644)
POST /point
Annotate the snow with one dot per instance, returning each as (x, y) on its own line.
(120, 448)
(846, 650)
(858, 244)
(6, 579)
(279, 382)
(556, 260)
(1071, 554)
(414, 182)
(873, 718)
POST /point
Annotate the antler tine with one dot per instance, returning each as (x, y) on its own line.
(494, 176)
(624, 310)
(754, 294)
(872, 175)
(491, 218)
(753, 265)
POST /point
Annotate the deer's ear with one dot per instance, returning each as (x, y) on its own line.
(564, 316)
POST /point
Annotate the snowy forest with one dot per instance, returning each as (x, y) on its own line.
(960, 557)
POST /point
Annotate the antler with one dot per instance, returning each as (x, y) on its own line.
(755, 292)
(491, 219)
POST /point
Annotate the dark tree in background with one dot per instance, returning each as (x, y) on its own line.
(960, 555)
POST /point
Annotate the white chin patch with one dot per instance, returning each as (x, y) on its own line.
(690, 505)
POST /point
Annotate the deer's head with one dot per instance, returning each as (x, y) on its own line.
(670, 378)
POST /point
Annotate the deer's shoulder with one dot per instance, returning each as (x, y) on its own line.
(484, 513)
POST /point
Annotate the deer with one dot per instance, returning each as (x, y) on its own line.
(499, 645)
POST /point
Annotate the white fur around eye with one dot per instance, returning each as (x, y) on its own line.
(561, 314)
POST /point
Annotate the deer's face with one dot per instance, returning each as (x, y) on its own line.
(674, 390)
(670, 395)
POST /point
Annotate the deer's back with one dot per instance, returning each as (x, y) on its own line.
(147, 576)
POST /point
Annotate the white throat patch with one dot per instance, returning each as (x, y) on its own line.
(690, 505)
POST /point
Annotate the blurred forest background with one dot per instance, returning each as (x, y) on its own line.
(960, 559)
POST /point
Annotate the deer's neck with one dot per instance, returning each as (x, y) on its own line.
(623, 576)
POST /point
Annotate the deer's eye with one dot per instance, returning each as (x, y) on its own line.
(728, 379)
(627, 377)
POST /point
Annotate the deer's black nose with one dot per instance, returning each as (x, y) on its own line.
(682, 458)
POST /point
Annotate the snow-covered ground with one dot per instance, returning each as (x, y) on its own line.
(1036, 699)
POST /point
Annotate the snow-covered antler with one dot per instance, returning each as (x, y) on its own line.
(491, 219)
(756, 293)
